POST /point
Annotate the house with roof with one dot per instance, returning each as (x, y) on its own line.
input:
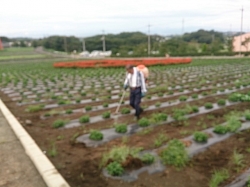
(241, 43)
(1, 44)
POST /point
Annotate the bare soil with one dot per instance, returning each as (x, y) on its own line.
(79, 164)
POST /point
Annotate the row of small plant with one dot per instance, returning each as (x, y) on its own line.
(174, 154)
(62, 101)
(93, 98)
(221, 102)
(118, 158)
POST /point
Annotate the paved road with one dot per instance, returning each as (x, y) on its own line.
(16, 168)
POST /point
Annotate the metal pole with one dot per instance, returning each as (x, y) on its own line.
(148, 40)
(103, 42)
(83, 44)
(182, 26)
(241, 29)
(65, 45)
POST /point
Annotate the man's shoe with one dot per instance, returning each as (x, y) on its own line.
(137, 117)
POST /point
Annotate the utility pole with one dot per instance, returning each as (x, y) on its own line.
(83, 45)
(183, 26)
(65, 45)
(149, 40)
(103, 42)
(212, 38)
(241, 29)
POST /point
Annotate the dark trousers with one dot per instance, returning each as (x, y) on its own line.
(135, 100)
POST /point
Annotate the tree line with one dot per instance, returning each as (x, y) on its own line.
(135, 44)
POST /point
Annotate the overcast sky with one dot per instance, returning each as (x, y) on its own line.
(83, 18)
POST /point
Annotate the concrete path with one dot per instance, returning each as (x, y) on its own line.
(16, 168)
(22, 163)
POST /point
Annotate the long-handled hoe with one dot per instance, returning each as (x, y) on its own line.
(118, 107)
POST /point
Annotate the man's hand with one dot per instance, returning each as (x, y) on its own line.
(125, 86)
(143, 94)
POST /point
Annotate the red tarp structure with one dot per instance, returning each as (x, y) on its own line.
(122, 62)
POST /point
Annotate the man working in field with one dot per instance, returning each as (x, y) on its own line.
(136, 82)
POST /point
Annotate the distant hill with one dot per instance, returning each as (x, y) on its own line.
(202, 36)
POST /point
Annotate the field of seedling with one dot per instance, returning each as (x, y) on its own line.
(194, 130)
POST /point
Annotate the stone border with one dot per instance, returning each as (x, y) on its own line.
(46, 169)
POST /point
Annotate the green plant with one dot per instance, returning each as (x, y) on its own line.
(53, 151)
(54, 97)
(58, 123)
(125, 111)
(148, 158)
(179, 114)
(158, 104)
(54, 112)
(121, 128)
(61, 102)
(183, 98)
(204, 93)
(105, 105)
(181, 90)
(160, 94)
(143, 122)
(238, 159)
(247, 115)
(233, 124)
(208, 105)
(200, 136)
(160, 139)
(84, 119)
(195, 96)
(83, 94)
(47, 114)
(115, 169)
(248, 182)
(119, 154)
(234, 97)
(145, 131)
(170, 92)
(88, 108)
(158, 117)
(68, 111)
(220, 129)
(106, 114)
(218, 177)
(185, 132)
(175, 154)
(221, 102)
(95, 135)
(125, 139)
(73, 138)
(59, 137)
(78, 100)
(34, 108)
(195, 109)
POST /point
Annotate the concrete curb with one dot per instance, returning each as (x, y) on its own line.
(46, 169)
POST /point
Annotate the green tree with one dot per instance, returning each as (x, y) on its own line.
(22, 44)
